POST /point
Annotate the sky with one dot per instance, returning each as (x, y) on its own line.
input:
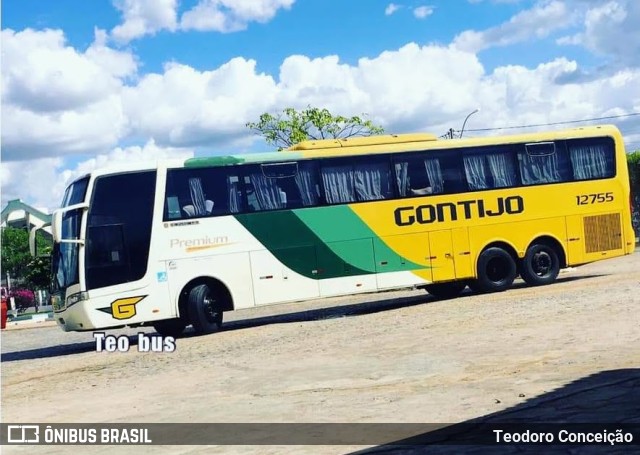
(88, 84)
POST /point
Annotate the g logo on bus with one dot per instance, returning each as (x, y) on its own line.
(123, 308)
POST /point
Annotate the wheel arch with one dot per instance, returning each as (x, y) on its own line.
(498, 243)
(553, 242)
(213, 283)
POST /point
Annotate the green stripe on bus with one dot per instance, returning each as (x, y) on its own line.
(339, 224)
(325, 242)
(227, 160)
(296, 246)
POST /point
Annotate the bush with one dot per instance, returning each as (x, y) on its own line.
(23, 298)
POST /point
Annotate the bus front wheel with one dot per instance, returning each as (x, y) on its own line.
(205, 312)
(540, 265)
(496, 271)
(446, 290)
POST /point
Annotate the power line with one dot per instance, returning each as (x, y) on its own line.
(610, 117)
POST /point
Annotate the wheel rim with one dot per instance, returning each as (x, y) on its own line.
(209, 305)
(497, 270)
(541, 263)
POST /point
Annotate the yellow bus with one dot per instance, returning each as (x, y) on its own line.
(180, 243)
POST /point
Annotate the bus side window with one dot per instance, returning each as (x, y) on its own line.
(372, 179)
(202, 192)
(338, 182)
(490, 170)
(418, 176)
(173, 208)
(591, 159)
(453, 177)
(264, 188)
(543, 162)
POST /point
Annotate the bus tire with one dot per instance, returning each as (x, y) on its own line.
(541, 265)
(446, 290)
(496, 271)
(170, 327)
(204, 308)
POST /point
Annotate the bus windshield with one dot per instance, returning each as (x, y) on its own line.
(65, 255)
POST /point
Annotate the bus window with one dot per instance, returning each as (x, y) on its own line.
(591, 160)
(277, 186)
(432, 173)
(372, 179)
(544, 162)
(338, 182)
(119, 228)
(357, 179)
(490, 170)
(202, 192)
(418, 176)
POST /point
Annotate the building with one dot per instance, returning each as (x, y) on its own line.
(17, 214)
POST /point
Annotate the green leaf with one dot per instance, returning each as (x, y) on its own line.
(292, 126)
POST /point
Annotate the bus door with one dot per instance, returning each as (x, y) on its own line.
(284, 274)
(575, 240)
(462, 253)
(442, 255)
(398, 254)
(346, 267)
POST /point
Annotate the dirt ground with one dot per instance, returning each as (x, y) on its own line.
(387, 357)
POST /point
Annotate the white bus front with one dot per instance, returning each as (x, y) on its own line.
(100, 257)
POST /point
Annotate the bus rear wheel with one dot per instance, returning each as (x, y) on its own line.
(204, 306)
(496, 271)
(446, 290)
(540, 265)
(170, 327)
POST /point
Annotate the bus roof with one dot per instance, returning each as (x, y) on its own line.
(391, 143)
(359, 146)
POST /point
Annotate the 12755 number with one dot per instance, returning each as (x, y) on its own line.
(597, 198)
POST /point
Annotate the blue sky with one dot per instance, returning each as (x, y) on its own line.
(91, 83)
(316, 28)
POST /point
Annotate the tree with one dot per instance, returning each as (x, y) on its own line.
(18, 262)
(291, 126)
(15, 251)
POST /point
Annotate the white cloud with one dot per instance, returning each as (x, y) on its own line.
(391, 8)
(147, 17)
(413, 88)
(144, 17)
(184, 106)
(57, 100)
(400, 89)
(231, 15)
(610, 30)
(538, 22)
(41, 182)
(422, 12)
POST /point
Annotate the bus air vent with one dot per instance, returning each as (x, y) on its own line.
(602, 232)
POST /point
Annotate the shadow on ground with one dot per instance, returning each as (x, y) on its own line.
(337, 311)
(607, 400)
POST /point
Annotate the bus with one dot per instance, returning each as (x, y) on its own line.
(179, 243)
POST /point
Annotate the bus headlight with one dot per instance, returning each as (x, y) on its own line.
(77, 297)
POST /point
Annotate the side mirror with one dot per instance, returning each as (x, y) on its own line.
(56, 222)
(33, 244)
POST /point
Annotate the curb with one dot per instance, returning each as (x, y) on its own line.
(35, 320)
(29, 324)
